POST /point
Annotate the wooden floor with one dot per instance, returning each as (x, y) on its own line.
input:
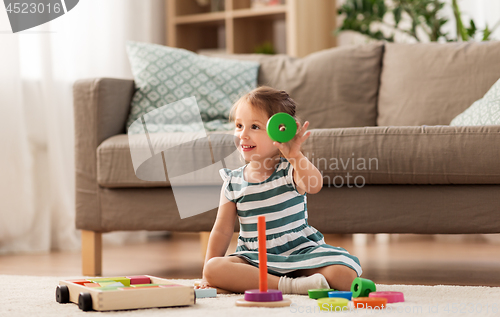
(409, 259)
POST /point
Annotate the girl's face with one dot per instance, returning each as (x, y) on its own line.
(250, 129)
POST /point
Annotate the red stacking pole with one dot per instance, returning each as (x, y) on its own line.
(261, 228)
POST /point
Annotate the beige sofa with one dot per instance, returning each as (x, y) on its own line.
(385, 105)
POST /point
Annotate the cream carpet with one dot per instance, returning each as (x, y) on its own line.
(35, 296)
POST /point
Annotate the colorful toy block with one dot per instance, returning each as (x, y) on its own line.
(339, 294)
(333, 304)
(112, 284)
(140, 279)
(79, 282)
(319, 293)
(117, 296)
(139, 287)
(205, 292)
(89, 284)
(369, 302)
(125, 281)
(392, 297)
(144, 285)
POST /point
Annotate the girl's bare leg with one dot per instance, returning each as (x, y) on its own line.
(235, 274)
(339, 277)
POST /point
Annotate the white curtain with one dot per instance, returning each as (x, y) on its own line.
(37, 70)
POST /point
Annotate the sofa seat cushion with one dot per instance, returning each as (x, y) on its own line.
(370, 155)
(127, 160)
(406, 155)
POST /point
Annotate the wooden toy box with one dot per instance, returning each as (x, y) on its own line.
(165, 294)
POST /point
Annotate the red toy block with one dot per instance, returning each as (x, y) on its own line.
(140, 287)
(91, 285)
(139, 279)
(79, 282)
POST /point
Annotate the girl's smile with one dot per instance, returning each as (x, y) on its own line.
(247, 148)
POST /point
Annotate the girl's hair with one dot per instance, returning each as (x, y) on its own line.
(269, 100)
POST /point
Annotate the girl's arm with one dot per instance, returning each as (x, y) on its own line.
(306, 176)
(223, 229)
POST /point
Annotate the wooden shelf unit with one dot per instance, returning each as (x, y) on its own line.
(309, 25)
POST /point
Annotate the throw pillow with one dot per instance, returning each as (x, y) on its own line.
(485, 111)
(164, 75)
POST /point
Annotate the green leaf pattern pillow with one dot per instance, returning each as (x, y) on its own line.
(164, 75)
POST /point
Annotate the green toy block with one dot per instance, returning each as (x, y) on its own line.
(145, 285)
(125, 281)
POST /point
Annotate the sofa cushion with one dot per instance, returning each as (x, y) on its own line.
(127, 160)
(370, 155)
(407, 155)
(334, 88)
(430, 84)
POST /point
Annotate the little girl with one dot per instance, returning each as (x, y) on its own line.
(274, 183)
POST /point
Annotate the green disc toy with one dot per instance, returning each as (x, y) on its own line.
(361, 287)
(319, 293)
(281, 127)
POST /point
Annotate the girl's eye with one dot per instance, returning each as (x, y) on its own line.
(255, 126)
(238, 126)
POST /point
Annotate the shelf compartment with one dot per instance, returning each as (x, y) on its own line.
(194, 37)
(251, 32)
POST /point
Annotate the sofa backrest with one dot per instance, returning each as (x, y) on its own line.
(430, 84)
(334, 88)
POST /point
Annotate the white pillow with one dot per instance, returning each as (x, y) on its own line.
(485, 111)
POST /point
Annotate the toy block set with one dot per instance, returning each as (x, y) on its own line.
(363, 295)
(134, 292)
(130, 292)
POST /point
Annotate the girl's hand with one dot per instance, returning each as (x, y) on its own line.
(291, 149)
(202, 284)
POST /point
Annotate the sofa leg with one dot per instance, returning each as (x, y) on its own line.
(204, 235)
(91, 253)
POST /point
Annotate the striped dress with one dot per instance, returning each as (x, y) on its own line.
(292, 244)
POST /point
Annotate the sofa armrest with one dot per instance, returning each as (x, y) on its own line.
(101, 107)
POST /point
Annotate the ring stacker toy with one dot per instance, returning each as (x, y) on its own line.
(333, 304)
(340, 294)
(319, 293)
(361, 287)
(369, 302)
(263, 297)
(392, 297)
(281, 127)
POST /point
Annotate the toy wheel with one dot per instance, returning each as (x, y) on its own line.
(62, 294)
(281, 127)
(85, 301)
